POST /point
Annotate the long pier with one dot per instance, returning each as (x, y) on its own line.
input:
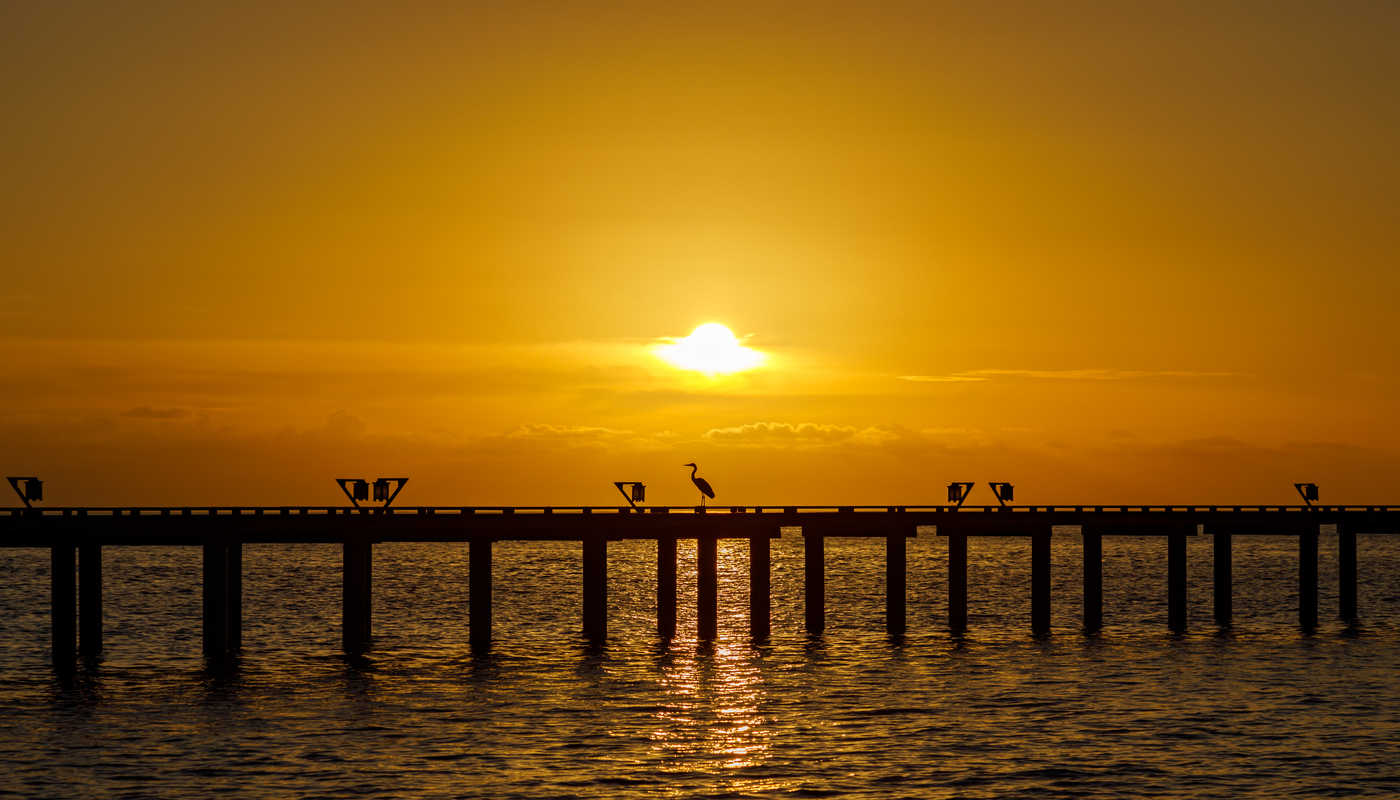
(75, 538)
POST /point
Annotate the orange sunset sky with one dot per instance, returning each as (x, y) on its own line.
(1110, 252)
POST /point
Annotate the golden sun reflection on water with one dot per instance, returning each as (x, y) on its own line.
(713, 692)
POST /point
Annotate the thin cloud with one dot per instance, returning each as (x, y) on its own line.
(887, 438)
(1213, 441)
(1205, 447)
(1324, 447)
(147, 412)
(1065, 374)
(759, 432)
(540, 435)
(534, 430)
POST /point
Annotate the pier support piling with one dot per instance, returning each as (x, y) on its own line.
(814, 563)
(1093, 581)
(234, 586)
(356, 573)
(479, 591)
(1346, 573)
(895, 583)
(1040, 583)
(90, 599)
(215, 628)
(1223, 553)
(957, 582)
(666, 586)
(707, 587)
(1307, 580)
(595, 589)
(760, 587)
(1176, 581)
(63, 604)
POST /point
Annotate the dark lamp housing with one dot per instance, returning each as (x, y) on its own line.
(1308, 491)
(33, 489)
(358, 489)
(1005, 492)
(633, 492)
(958, 491)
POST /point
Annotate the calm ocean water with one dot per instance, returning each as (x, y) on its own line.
(1259, 708)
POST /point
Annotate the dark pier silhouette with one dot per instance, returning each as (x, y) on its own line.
(75, 538)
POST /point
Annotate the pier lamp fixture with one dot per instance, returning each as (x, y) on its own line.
(958, 492)
(358, 489)
(1307, 490)
(634, 493)
(1005, 492)
(33, 489)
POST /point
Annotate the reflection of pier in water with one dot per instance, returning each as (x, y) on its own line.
(76, 536)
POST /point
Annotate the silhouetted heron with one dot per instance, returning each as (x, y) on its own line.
(701, 484)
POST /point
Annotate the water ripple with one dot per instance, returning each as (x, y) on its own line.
(1257, 707)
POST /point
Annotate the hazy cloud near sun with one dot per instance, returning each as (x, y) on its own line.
(1221, 447)
(581, 436)
(808, 435)
(136, 419)
(762, 432)
(147, 412)
(535, 430)
(1065, 374)
(113, 458)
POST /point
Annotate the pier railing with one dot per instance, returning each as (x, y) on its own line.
(75, 538)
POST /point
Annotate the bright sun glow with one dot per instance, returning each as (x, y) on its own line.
(710, 348)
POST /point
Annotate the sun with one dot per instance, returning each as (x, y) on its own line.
(710, 348)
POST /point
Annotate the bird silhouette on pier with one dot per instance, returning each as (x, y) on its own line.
(701, 484)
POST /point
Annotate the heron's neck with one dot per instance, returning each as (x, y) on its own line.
(692, 472)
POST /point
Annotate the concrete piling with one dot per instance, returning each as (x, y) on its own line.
(233, 582)
(595, 589)
(666, 586)
(90, 599)
(895, 583)
(215, 591)
(63, 603)
(707, 587)
(957, 582)
(479, 591)
(1307, 580)
(1223, 568)
(1346, 573)
(814, 569)
(1040, 583)
(355, 594)
(1093, 581)
(760, 587)
(1176, 581)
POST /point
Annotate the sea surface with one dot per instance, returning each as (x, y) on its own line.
(1258, 708)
